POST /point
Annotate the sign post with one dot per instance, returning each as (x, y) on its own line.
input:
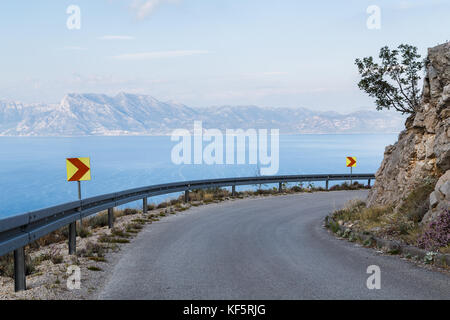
(351, 162)
(78, 169)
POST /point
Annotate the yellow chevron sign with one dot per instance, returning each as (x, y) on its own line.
(78, 169)
(351, 161)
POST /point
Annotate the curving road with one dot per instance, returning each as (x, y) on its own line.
(269, 248)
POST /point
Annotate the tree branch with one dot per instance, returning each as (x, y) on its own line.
(411, 104)
(399, 107)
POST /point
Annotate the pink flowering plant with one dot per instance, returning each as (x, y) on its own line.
(436, 234)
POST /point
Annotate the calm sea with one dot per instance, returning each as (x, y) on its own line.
(33, 170)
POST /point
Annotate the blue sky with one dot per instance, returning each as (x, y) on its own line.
(286, 53)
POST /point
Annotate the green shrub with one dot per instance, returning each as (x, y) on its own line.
(133, 227)
(129, 211)
(7, 265)
(162, 205)
(57, 259)
(98, 259)
(92, 249)
(94, 268)
(57, 236)
(98, 221)
(334, 226)
(83, 232)
(112, 239)
(346, 186)
(119, 233)
(394, 251)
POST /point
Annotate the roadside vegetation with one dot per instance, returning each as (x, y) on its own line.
(97, 239)
(403, 224)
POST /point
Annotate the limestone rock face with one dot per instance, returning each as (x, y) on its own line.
(439, 198)
(423, 149)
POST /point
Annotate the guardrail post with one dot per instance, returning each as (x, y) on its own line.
(111, 218)
(326, 184)
(233, 190)
(280, 187)
(72, 238)
(144, 206)
(19, 270)
(186, 196)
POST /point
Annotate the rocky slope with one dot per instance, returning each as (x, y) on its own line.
(422, 152)
(131, 114)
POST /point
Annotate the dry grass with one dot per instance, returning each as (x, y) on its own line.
(98, 221)
(7, 265)
(416, 204)
(92, 250)
(162, 205)
(347, 186)
(381, 221)
(445, 250)
(401, 224)
(208, 197)
(94, 268)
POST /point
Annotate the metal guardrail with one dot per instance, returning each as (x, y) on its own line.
(20, 230)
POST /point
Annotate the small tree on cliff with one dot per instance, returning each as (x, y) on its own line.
(394, 82)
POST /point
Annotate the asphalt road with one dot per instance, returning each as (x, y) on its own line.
(269, 248)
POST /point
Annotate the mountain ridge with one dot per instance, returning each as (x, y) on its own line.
(84, 114)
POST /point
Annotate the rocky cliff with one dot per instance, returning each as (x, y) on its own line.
(422, 153)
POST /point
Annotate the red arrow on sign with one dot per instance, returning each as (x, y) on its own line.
(82, 169)
(352, 161)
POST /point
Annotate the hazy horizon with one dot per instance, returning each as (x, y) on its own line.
(196, 107)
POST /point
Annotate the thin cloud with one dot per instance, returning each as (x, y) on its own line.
(145, 8)
(110, 37)
(159, 54)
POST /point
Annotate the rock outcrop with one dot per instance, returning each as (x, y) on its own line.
(422, 152)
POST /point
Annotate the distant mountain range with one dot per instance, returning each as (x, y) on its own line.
(131, 114)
